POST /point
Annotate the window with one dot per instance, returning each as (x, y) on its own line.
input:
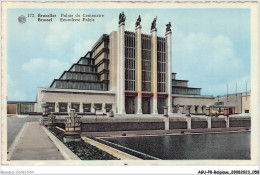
(63, 107)
(146, 63)
(50, 107)
(161, 64)
(98, 106)
(87, 107)
(75, 106)
(108, 107)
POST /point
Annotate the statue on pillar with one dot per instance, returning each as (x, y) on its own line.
(168, 27)
(122, 17)
(138, 22)
(154, 24)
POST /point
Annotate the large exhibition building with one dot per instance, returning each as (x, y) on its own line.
(127, 71)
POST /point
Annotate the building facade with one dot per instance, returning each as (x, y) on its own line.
(129, 69)
(128, 72)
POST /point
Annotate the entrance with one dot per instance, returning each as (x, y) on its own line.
(146, 105)
(130, 104)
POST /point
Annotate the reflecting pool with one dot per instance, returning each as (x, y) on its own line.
(232, 145)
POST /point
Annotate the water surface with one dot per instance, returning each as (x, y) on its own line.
(234, 145)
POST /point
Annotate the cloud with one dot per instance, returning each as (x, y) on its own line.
(45, 68)
(112, 25)
(59, 33)
(207, 61)
(81, 48)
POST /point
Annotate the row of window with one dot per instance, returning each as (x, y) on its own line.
(25, 108)
(63, 107)
(130, 61)
(180, 83)
(129, 39)
(146, 42)
(161, 46)
(184, 91)
(78, 85)
(84, 68)
(87, 61)
(79, 76)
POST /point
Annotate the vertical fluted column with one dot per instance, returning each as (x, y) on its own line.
(154, 69)
(168, 88)
(138, 63)
(121, 70)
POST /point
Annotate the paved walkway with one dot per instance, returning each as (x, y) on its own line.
(34, 144)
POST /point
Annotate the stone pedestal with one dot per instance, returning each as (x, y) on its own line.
(227, 121)
(188, 119)
(209, 122)
(166, 122)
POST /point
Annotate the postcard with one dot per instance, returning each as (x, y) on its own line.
(130, 83)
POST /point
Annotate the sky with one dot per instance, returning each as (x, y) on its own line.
(211, 47)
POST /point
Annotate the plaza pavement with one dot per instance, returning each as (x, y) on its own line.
(34, 144)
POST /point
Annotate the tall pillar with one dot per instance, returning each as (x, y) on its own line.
(138, 63)
(81, 107)
(154, 69)
(168, 78)
(121, 70)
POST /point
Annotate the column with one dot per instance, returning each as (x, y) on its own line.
(56, 106)
(81, 107)
(188, 110)
(69, 107)
(138, 67)
(154, 70)
(92, 109)
(121, 70)
(168, 78)
(103, 108)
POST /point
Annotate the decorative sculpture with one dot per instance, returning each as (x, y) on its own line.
(72, 128)
(168, 27)
(138, 21)
(154, 23)
(122, 17)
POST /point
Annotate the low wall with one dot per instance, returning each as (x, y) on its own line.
(178, 123)
(218, 123)
(104, 124)
(239, 122)
(121, 126)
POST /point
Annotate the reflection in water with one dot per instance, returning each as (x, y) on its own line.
(196, 146)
